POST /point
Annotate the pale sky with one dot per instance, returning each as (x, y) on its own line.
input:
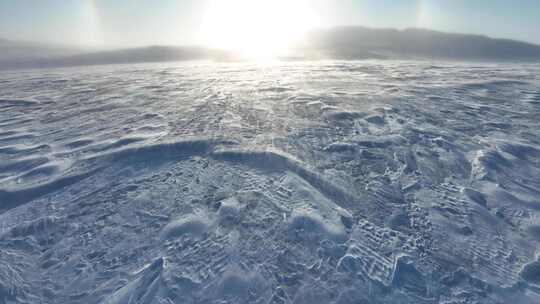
(122, 23)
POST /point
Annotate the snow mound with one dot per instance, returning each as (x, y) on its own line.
(192, 225)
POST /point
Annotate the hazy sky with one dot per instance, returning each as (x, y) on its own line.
(143, 22)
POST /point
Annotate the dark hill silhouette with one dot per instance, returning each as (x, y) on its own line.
(46, 57)
(361, 42)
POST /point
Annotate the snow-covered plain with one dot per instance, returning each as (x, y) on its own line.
(313, 182)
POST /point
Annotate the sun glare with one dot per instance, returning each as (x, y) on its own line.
(257, 29)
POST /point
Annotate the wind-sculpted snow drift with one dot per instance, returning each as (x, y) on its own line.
(326, 182)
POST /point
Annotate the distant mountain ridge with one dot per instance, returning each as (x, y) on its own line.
(358, 42)
(137, 55)
(19, 51)
(348, 43)
(50, 56)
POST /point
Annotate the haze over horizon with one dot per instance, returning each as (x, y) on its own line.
(111, 24)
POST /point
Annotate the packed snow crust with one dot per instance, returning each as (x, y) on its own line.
(300, 182)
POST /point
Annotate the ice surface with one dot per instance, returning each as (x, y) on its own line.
(305, 182)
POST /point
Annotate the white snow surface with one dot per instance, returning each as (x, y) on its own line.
(299, 182)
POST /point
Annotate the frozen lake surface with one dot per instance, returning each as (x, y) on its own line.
(314, 182)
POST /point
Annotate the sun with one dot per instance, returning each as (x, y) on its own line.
(256, 29)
